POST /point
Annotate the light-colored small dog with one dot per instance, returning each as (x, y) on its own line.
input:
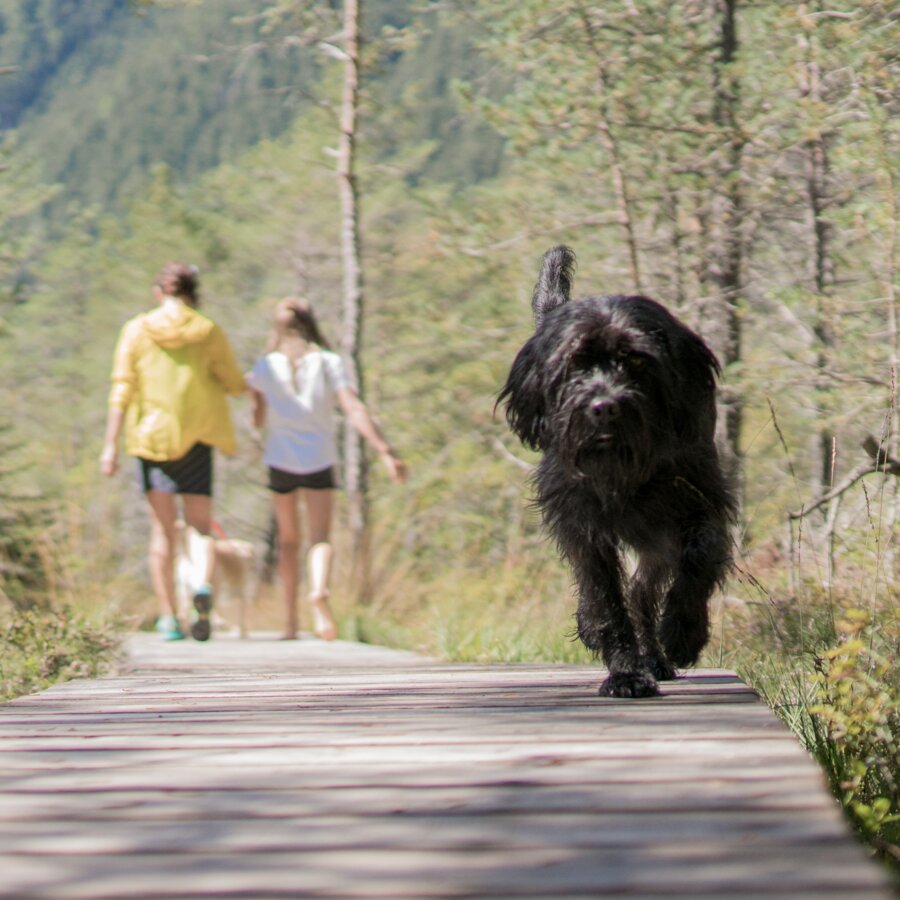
(227, 564)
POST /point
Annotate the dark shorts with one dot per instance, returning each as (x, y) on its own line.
(192, 474)
(282, 482)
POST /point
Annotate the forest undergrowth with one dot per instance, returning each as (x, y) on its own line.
(42, 646)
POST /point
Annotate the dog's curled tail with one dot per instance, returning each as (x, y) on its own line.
(554, 284)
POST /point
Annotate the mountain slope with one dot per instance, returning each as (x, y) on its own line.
(105, 91)
(177, 86)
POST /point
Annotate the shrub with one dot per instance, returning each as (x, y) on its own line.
(41, 647)
(854, 728)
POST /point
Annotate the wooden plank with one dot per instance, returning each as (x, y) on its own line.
(418, 873)
(275, 769)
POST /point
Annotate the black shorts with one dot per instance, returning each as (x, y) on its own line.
(192, 474)
(282, 482)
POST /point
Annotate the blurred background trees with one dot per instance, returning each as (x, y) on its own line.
(732, 159)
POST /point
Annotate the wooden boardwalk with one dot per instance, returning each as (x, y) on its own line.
(270, 769)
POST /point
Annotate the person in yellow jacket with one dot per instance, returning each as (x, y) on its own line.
(172, 371)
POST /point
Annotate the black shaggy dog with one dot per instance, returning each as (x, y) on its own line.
(620, 397)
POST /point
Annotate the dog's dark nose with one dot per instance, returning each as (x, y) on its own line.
(605, 411)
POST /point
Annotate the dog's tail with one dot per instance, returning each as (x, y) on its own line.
(554, 284)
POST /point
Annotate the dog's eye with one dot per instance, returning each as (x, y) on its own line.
(635, 361)
(584, 359)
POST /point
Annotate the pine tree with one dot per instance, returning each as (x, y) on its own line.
(27, 570)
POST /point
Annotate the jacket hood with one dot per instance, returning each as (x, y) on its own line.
(175, 324)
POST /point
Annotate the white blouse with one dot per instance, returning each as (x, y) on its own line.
(301, 424)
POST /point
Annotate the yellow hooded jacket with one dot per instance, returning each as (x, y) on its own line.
(172, 370)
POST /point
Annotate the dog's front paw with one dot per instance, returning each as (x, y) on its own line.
(629, 684)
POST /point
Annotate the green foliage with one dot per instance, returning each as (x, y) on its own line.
(185, 87)
(415, 104)
(36, 37)
(826, 666)
(856, 726)
(20, 199)
(41, 647)
(27, 569)
(111, 89)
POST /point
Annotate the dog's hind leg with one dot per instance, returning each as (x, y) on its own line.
(684, 627)
(605, 627)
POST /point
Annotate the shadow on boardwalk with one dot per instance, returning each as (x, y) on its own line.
(275, 769)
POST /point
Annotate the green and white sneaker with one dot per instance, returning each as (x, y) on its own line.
(168, 628)
(201, 627)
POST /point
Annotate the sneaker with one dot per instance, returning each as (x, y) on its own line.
(168, 628)
(201, 628)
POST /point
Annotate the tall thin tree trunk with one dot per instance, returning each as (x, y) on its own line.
(820, 274)
(726, 213)
(672, 202)
(888, 176)
(623, 200)
(355, 464)
(616, 170)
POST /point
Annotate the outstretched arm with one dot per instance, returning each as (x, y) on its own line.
(359, 418)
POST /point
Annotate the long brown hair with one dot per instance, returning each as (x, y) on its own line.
(295, 316)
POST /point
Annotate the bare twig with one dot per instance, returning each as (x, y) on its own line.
(511, 457)
(881, 461)
(542, 232)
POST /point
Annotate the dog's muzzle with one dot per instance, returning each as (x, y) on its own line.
(604, 413)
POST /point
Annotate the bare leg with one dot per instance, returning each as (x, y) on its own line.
(163, 515)
(319, 506)
(288, 552)
(198, 511)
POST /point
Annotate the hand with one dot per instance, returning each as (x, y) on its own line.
(109, 461)
(396, 467)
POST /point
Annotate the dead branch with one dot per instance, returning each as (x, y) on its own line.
(530, 234)
(881, 461)
(511, 457)
(881, 458)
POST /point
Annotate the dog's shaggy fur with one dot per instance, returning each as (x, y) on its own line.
(620, 397)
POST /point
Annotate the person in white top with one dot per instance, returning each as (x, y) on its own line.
(296, 387)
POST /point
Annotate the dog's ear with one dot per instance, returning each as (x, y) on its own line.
(554, 284)
(698, 368)
(523, 395)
